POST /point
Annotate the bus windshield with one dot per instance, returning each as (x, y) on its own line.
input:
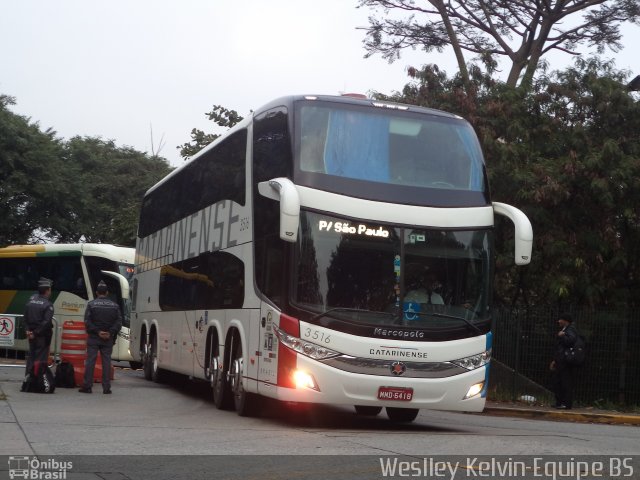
(21, 273)
(389, 146)
(380, 275)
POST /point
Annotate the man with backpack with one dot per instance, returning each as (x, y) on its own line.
(103, 321)
(38, 317)
(562, 369)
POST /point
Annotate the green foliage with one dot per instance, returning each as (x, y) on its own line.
(30, 177)
(84, 189)
(112, 183)
(221, 116)
(567, 152)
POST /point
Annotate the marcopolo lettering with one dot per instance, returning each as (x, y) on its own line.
(389, 333)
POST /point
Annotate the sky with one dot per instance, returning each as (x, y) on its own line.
(124, 69)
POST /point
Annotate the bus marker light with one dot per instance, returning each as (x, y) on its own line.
(474, 390)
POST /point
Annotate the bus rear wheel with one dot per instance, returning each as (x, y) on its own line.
(219, 387)
(146, 362)
(244, 402)
(404, 415)
(156, 371)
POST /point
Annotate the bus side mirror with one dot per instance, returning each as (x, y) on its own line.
(124, 283)
(523, 234)
(285, 191)
(126, 301)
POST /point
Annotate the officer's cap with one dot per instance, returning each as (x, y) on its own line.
(44, 283)
(102, 287)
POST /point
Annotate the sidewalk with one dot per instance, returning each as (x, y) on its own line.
(582, 415)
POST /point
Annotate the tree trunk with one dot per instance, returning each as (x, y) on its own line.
(455, 44)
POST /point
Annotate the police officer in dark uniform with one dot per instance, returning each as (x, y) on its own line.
(563, 372)
(102, 321)
(38, 317)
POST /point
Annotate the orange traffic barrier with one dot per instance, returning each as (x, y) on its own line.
(73, 349)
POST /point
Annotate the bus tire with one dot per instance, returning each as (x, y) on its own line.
(146, 362)
(135, 365)
(245, 402)
(367, 411)
(222, 392)
(404, 415)
(156, 371)
(219, 386)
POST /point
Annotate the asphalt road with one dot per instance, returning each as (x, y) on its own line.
(178, 418)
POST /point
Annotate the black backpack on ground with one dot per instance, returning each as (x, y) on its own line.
(65, 375)
(41, 382)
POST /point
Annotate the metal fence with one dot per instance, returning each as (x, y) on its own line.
(524, 342)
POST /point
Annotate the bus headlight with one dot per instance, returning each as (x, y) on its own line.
(304, 379)
(474, 390)
(474, 361)
(308, 349)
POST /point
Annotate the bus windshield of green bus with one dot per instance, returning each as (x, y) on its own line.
(389, 146)
(22, 273)
(380, 275)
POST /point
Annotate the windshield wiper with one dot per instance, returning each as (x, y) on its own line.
(345, 309)
(444, 315)
(456, 317)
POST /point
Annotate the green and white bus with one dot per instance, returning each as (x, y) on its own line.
(75, 270)
(282, 260)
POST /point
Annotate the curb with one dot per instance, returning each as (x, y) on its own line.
(565, 416)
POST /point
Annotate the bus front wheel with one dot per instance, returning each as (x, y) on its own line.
(404, 415)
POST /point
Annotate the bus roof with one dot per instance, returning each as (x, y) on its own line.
(288, 101)
(350, 100)
(112, 252)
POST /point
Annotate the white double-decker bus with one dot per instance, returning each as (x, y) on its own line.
(325, 250)
(75, 270)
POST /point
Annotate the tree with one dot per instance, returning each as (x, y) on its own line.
(84, 189)
(33, 197)
(199, 139)
(567, 152)
(110, 186)
(521, 31)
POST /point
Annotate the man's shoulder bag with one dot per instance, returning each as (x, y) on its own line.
(577, 354)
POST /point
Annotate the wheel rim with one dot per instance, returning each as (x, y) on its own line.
(213, 371)
(154, 356)
(236, 376)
